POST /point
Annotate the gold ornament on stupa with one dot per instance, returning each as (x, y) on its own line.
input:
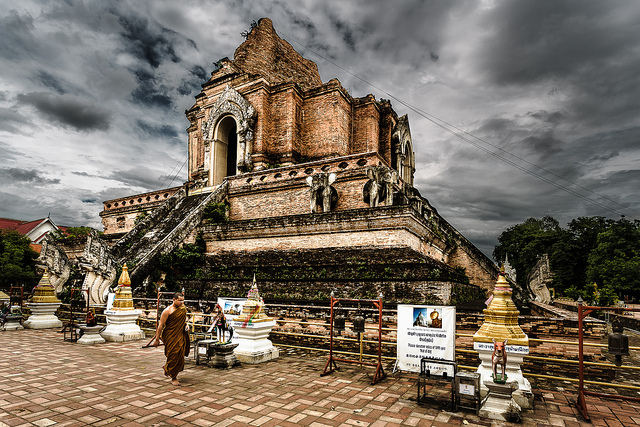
(501, 317)
(123, 299)
(252, 312)
(44, 292)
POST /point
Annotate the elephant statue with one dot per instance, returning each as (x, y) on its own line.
(321, 193)
(380, 185)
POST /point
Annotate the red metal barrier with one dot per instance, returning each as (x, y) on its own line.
(584, 311)
(331, 363)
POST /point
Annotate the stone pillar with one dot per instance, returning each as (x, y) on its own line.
(500, 323)
(251, 331)
(43, 306)
(121, 319)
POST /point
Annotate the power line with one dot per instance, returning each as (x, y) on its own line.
(174, 168)
(177, 173)
(459, 133)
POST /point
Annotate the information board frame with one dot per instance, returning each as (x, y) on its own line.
(426, 331)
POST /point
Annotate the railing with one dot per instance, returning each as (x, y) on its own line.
(198, 328)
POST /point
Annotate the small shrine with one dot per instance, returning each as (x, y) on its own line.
(121, 318)
(91, 330)
(43, 305)
(501, 346)
(252, 330)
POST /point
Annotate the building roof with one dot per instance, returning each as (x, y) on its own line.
(26, 228)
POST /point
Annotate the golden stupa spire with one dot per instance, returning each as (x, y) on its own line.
(44, 291)
(123, 299)
(501, 317)
(124, 279)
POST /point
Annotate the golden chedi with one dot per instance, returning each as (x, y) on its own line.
(43, 306)
(500, 324)
(501, 317)
(122, 316)
(44, 291)
(123, 299)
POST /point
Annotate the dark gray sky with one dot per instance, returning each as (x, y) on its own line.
(546, 97)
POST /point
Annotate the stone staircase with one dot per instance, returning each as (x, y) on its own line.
(163, 230)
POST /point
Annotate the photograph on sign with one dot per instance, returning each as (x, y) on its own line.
(426, 331)
(232, 307)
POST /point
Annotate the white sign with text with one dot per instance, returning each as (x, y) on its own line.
(426, 331)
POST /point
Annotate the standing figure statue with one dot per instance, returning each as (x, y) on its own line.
(221, 326)
(499, 357)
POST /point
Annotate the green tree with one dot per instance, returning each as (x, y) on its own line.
(17, 261)
(591, 251)
(71, 233)
(614, 262)
(525, 242)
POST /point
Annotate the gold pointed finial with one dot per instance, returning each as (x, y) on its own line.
(124, 277)
(123, 299)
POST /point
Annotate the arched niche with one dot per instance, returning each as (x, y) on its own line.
(225, 150)
(228, 136)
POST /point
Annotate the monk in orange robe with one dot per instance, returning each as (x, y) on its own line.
(171, 328)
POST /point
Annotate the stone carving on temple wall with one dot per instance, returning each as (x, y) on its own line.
(380, 185)
(539, 279)
(321, 193)
(508, 269)
(55, 259)
(231, 102)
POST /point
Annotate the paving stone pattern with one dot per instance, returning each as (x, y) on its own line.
(46, 381)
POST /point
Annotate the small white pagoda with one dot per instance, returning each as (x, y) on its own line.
(251, 331)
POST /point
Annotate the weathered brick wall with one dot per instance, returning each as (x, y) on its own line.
(401, 274)
(119, 215)
(392, 227)
(326, 128)
(263, 52)
(281, 137)
(478, 272)
(284, 191)
(366, 124)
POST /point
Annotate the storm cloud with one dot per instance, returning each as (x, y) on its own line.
(69, 111)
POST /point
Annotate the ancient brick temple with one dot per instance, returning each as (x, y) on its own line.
(310, 175)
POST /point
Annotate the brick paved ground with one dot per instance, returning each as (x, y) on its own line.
(45, 381)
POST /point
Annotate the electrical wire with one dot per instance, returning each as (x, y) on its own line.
(174, 168)
(460, 133)
(177, 173)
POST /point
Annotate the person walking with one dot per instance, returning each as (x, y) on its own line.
(171, 328)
